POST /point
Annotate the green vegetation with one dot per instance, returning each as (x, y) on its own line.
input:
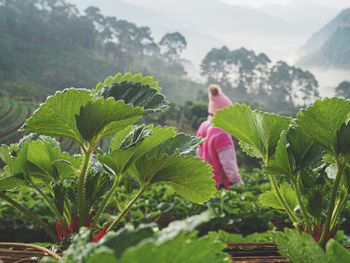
(343, 90)
(92, 161)
(306, 159)
(77, 188)
(13, 113)
(48, 45)
(249, 77)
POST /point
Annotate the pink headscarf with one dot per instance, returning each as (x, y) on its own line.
(217, 99)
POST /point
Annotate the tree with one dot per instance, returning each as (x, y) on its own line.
(172, 45)
(291, 85)
(343, 90)
(241, 69)
(247, 76)
(216, 66)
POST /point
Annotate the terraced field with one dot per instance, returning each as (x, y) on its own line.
(13, 114)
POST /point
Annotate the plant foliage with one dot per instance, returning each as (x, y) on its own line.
(79, 188)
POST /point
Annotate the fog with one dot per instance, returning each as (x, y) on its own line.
(328, 79)
(277, 28)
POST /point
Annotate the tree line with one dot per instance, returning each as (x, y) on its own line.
(247, 76)
(39, 38)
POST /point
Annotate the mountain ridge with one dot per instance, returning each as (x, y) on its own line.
(329, 47)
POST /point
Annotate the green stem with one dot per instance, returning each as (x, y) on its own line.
(326, 229)
(81, 202)
(339, 208)
(127, 208)
(67, 210)
(105, 201)
(49, 202)
(280, 198)
(282, 201)
(301, 203)
(31, 216)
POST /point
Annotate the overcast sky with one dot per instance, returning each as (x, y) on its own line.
(256, 3)
(259, 3)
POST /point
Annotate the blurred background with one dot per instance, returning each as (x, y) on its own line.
(276, 55)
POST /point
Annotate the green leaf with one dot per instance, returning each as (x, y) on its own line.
(136, 94)
(96, 186)
(56, 117)
(336, 252)
(102, 255)
(47, 159)
(118, 78)
(190, 177)
(120, 136)
(269, 198)
(294, 153)
(184, 248)
(43, 159)
(135, 136)
(299, 247)
(322, 121)
(125, 238)
(181, 144)
(5, 153)
(257, 132)
(100, 118)
(10, 182)
(59, 194)
(284, 163)
(81, 248)
(17, 164)
(343, 139)
(315, 204)
(121, 158)
(181, 226)
(305, 152)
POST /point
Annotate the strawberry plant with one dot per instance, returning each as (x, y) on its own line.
(78, 188)
(306, 159)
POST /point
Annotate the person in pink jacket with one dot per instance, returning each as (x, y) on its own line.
(218, 148)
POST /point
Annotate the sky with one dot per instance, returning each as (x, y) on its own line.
(256, 3)
(260, 3)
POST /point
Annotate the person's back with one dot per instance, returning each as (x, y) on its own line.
(218, 147)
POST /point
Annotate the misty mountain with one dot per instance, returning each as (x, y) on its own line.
(330, 46)
(215, 17)
(319, 38)
(209, 23)
(199, 43)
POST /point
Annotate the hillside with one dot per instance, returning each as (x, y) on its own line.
(319, 38)
(209, 23)
(329, 47)
(334, 53)
(51, 46)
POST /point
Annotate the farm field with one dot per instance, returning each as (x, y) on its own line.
(136, 131)
(124, 179)
(13, 114)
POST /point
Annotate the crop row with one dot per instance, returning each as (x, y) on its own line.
(13, 114)
(6, 108)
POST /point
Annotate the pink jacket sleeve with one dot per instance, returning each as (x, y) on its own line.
(228, 161)
(227, 156)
